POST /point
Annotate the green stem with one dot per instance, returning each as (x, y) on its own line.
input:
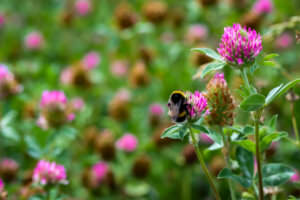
(294, 122)
(274, 197)
(186, 195)
(245, 78)
(227, 160)
(202, 163)
(258, 158)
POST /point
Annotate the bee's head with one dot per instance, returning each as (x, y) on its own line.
(177, 96)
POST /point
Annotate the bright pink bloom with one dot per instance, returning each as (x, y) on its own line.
(119, 68)
(83, 7)
(127, 143)
(196, 32)
(156, 109)
(263, 6)
(91, 60)
(197, 104)
(295, 177)
(49, 172)
(77, 103)
(219, 78)
(205, 138)
(284, 41)
(100, 170)
(8, 84)
(71, 117)
(34, 40)
(239, 45)
(2, 20)
(1, 185)
(53, 98)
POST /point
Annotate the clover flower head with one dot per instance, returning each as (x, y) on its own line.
(49, 172)
(91, 60)
(1, 185)
(54, 97)
(295, 177)
(34, 40)
(239, 45)
(156, 109)
(263, 6)
(127, 142)
(197, 104)
(100, 170)
(83, 7)
(5, 74)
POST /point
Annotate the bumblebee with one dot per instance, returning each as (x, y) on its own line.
(177, 105)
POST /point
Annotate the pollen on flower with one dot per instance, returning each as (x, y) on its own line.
(47, 172)
(239, 45)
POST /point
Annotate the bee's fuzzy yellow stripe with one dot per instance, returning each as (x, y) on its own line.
(182, 114)
(178, 92)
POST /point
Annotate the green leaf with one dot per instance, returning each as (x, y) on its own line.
(270, 63)
(175, 132)
(201, 128)
(210, 53)
(276, 174)
(246, 162)
(216, 137)
(213, 66)
(280, 90)
(253, 102)
(268, 139)
(270, 56)
(246, 144)
(228, 174)
(272, 123)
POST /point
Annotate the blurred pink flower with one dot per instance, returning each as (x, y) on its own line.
(123, 94)
(91, 60)
(42, 122)
(5, 74)
(49, 172)
(8, 84)
(77, 103)
(295, 177)
(196, 33)
(284, 41)
(127, 142)
(263, 6)
(66, 76)
(1, 185)
(167, 37)
(2, 20)
(205, 139)
(53, 98)
(34, 40)
(119, 68)
(9, 164)
(71, 117)
(156, 109)
(83, 7)
(100, 170)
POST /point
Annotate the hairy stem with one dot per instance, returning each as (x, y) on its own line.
(227, 160)
(245, 78)
(294, 122)
(203, 165)
(258, 157)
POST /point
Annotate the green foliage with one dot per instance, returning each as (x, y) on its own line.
(253, 102)
(275, 174)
